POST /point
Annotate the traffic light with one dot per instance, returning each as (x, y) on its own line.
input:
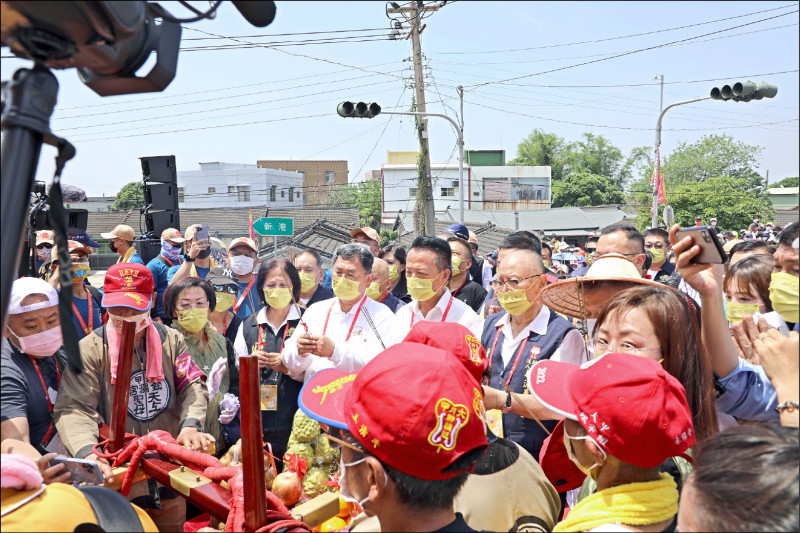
(358, 110)
(744, 91)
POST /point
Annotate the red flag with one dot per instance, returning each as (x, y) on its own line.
(662, 192)
(251, 225)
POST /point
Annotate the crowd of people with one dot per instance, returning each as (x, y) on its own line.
(619, 385)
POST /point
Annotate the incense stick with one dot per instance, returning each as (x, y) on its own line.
(527, 410)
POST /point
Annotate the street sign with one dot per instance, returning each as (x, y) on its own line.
(274, 227)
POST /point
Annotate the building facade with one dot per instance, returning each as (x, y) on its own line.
(320, 178)
(233, 185)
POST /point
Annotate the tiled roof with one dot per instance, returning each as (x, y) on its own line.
(786, 216)
(322, 236)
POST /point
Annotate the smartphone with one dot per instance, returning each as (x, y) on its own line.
(83, 470)
(705, 237)
(202, 233)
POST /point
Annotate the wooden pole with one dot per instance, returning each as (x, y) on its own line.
(119, 413)
(255, 483)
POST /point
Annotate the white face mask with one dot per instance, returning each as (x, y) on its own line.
(344, 492)
(571, 455)
(241, 264)
(142, 320)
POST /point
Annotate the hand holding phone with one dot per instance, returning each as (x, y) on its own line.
(81, 470)
(711, 251)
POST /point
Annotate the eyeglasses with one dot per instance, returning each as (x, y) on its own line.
(182, 306)
(512, 283)
(230, 289)
(599, 347)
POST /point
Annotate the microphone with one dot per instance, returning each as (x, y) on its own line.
(259, 14)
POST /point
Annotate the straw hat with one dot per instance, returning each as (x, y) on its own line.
(584, 297)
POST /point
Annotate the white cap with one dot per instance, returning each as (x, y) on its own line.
(23, 287)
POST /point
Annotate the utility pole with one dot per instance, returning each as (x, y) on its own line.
(460, 90)
(415, 10)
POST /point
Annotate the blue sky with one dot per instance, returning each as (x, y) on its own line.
(242, 105)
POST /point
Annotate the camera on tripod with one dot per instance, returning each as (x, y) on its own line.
(40, 216)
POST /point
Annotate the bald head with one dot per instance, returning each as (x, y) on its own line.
(380, 269)
(523, 263)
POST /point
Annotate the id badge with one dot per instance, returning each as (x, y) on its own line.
(269, 397)
(494, 419)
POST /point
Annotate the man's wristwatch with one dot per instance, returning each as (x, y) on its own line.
(188, 259)
(507, 407)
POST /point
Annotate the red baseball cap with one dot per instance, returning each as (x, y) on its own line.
(401, 410)
(633, 408)
(556, 464)
(453, 338)
(128, 285)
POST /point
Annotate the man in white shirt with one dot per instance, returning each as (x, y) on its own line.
(527, 332)
(347, 331)
(427, 276)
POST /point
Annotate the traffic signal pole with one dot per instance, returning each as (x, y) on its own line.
(654, 207)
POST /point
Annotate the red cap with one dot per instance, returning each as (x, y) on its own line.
(629, 405)
(404, 414)
(453, 338)
(556, 464)
(128, 285)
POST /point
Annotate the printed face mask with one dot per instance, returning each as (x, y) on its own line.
(80, 271)
(43, 253)
(345, 289)
(736, 312)
(421, 289)
(142, 320)
(41, 344)
(568, 445)
(308, 281)
(225, 301)
(514, 302)
(394, 274)
(193, 320)
(169, 251)
(455, 261)
(278, 298)
(784, 290)
(241, 264)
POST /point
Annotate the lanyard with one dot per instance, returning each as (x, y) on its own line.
(384, 296)
(47, 395)
(168, 260)
(522, 345)
(324, 329)
(224, 323)
(261, 336)
(444, 316)
(244, 295)
(90, 315)
(460, 287)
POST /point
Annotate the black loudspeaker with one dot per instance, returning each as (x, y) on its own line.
(148, 248)
(160, 178)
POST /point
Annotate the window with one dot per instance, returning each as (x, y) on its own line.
(291, 194)
(212, 190)
(476, 193)
(272, 193)
(181, 195)
(448, 191)
(231, 189)
(243, 193)
(330, 176)
(283, 193)
(412, 191)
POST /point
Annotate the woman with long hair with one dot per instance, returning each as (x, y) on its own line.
(395, 255)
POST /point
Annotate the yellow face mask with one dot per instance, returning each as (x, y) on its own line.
(514, 302)
(225, 301)
(421, 289)
(278, 298)
(374, 291)
(455, 261)
(345, 289)
(307, 281)
(658, 255)
(546, 263)
(736, 312)
(193, 320)
(783, 292)
(394, 274)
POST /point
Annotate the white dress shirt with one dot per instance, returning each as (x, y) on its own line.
(348, 355)
(459, 312)
(487, 274)
(571, 350)
(240, 346)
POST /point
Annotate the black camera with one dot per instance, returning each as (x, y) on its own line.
(40, 217)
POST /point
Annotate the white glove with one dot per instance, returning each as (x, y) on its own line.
(215, 376)
(228, 408)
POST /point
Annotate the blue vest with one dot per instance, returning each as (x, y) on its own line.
(524, 431)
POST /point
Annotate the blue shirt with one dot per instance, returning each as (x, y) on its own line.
(201, 272)
(83, 308)
(749, 393)
(251, 303)
(160, 269)
(326, 282)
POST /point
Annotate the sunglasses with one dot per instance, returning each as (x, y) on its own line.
(226, 288)
(44, 245)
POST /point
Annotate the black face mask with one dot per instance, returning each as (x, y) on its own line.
(204, 254)
(113, 248)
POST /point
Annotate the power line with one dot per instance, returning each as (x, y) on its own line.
(277, 34)
(621, 36)
(273, 45)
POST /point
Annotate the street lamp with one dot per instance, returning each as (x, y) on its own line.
(736, 91)
(363, 110)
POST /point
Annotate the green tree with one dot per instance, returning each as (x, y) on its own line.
(638, 165)
(129, 196)
(583, 188)
(731, 200)
(542, 149)
(713, 156)
(594, 154)
(387, 236)
(786, 182)
(366, 195)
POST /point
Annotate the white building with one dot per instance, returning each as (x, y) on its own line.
(239, 185)
(485, 187)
